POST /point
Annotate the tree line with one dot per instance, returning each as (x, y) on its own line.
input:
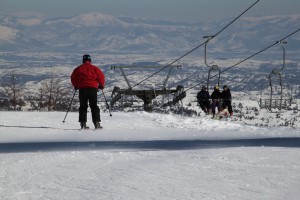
(51, 94)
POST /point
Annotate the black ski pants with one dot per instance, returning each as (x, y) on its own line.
(227, 103)
(204, 105)
(88, 95)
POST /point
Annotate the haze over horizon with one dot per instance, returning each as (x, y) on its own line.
(175, 10)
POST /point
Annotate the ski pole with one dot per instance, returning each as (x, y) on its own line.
(106, 102)
(70, 106)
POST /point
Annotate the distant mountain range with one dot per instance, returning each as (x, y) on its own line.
(30, 47)
(122, 35)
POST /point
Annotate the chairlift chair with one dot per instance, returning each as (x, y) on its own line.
(213, 67)
(277, 103)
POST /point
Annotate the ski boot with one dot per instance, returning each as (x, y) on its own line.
(84, 126)
(97, 125)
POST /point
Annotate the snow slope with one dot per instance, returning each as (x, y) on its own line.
(145, 156)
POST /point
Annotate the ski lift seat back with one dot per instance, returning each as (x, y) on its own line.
(215, 67)
(276, 71)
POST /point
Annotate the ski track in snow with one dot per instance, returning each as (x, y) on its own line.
(145, 156)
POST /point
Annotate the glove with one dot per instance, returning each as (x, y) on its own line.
(100, 87)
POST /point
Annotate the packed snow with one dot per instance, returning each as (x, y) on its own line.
(139, 155)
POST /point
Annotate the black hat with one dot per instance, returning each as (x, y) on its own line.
(225, 86)
(86, 57)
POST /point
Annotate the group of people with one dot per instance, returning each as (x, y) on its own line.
(217, 100)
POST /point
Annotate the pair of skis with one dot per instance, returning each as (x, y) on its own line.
(88, 128)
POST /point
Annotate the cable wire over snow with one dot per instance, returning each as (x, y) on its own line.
(195, 48)
(266, 48)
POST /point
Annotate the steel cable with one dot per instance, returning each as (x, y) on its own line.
(195, 48)
(266, 48)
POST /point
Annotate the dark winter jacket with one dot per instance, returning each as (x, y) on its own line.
(87, 76)
(226, 94)
(203, 95)
(216, 95)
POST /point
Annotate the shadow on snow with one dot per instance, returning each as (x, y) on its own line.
(153, 145)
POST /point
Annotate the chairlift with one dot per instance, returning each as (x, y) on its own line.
(213, 67)
(276, 103)
(146, 95)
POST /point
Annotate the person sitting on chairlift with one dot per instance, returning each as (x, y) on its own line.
(226, 96)
(203, 99)
(216, 100)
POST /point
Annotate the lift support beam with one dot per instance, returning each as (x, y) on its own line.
(146, 95)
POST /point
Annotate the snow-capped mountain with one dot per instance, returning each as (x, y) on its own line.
(92, 31)
(105, 33)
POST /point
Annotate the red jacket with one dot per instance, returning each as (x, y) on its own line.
(87, 76)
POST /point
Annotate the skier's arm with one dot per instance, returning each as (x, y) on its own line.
(74, 79)
(100, 79)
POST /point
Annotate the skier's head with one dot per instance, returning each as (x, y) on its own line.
(225, 87)
(204, 87)
(216, 87)
(86, 57)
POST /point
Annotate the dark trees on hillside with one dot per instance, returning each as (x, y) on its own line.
(12, 94)
(52, 95)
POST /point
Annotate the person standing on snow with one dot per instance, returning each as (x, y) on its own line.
(203, 99)
(216, 100)
(88, 78)
(226, 96)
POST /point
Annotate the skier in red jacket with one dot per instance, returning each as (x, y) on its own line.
(88, 78)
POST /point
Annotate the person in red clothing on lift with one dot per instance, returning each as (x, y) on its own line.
(88, 78)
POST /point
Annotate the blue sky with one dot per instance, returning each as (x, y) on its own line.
(178, 10)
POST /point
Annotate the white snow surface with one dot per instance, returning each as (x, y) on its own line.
(141, 155)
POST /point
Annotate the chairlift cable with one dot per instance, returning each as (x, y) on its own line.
(236, 18)
(195, 48)
(247, 58)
